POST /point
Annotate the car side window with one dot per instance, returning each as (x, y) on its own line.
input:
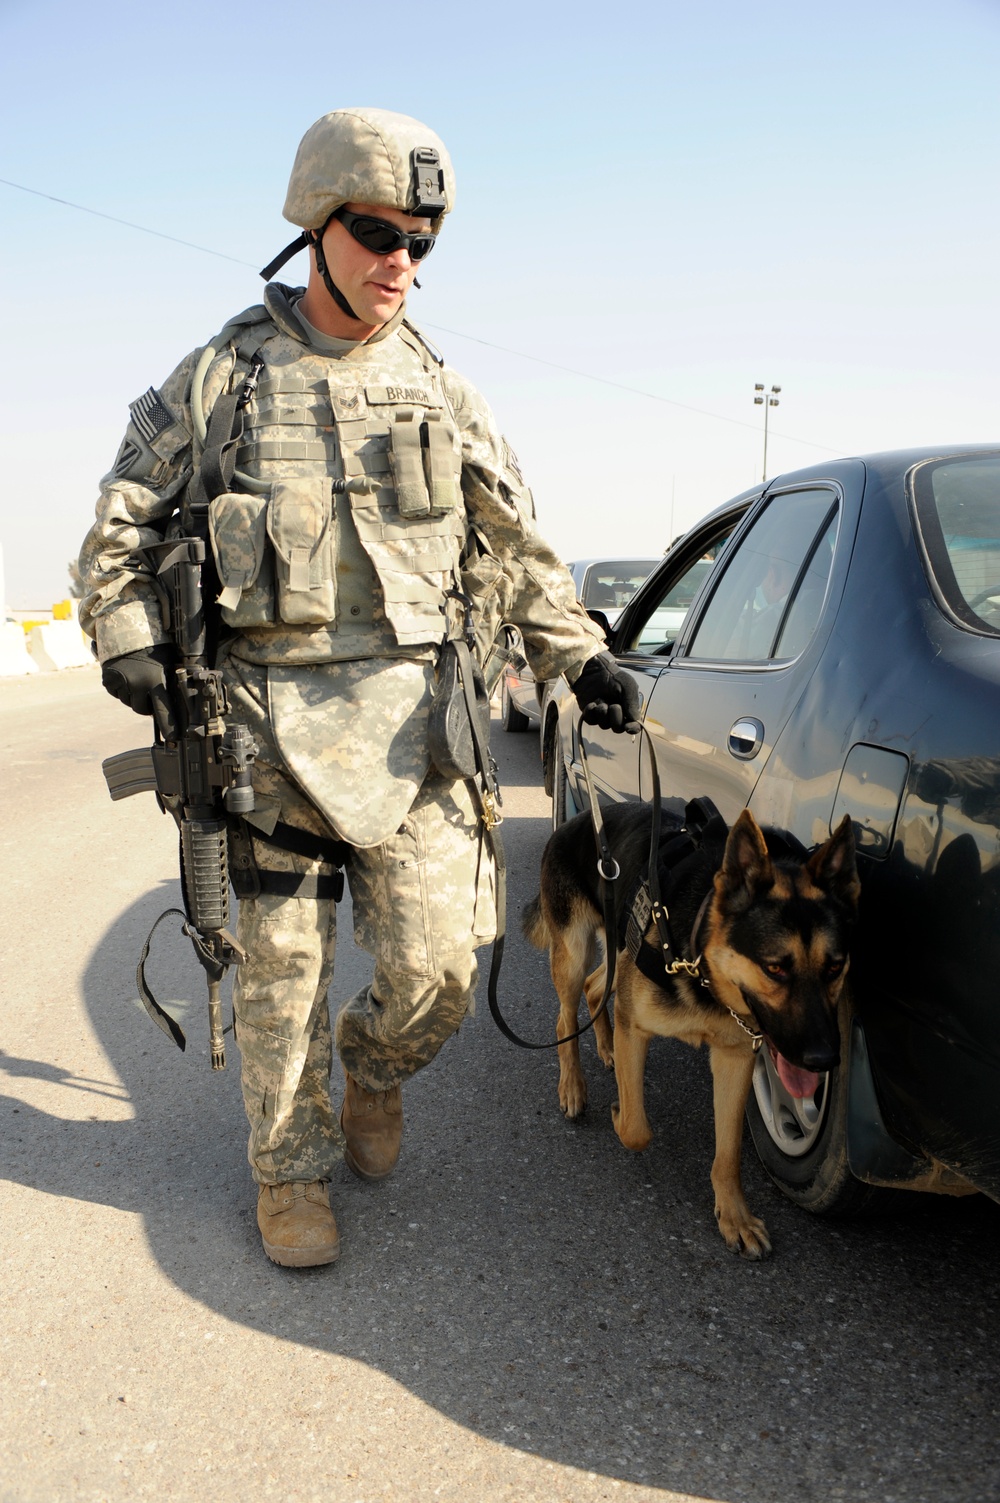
(767, 603)
(658, 632)
(609, 586)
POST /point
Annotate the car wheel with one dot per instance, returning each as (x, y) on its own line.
(802, 1144)
(549, 753)
(510, 716)
(563, 807)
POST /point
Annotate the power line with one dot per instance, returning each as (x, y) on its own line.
(636, 391)
(115, 220)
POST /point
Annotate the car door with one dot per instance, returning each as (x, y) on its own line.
(746, 648)
(643, 640)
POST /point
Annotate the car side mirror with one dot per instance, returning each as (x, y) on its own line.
(603, 622)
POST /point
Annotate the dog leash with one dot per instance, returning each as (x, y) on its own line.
(488, 798)
(608, 871)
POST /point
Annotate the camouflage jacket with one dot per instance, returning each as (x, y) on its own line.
(370, 480)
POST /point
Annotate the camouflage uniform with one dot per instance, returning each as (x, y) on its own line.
(333, 596)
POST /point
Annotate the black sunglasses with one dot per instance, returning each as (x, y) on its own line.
(383, 238)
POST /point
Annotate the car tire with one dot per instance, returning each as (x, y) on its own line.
(510, 716)
(563, 807)
(803, 1144)
(549, 754)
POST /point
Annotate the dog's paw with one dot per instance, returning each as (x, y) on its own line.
(606, 1054)
(573, 1096)
(745, 1234)
(635, 1136)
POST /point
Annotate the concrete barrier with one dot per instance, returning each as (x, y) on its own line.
(14, 657)
(59, 644)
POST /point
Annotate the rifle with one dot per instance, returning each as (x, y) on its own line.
(200, 772)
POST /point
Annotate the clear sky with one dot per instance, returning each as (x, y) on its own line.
(681, 199)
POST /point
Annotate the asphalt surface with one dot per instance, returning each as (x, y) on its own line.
(524, 1311)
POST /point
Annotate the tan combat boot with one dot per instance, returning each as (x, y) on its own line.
(373, 1126)
(297, 1225)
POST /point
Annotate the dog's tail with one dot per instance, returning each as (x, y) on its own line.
(533, 925)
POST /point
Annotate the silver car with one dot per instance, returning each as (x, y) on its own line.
(604, 587)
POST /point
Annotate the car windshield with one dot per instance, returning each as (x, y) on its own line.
(958, 512)
(610, 585)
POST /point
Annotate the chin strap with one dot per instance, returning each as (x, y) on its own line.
(299, 243)
(315, 239)
(324, 271)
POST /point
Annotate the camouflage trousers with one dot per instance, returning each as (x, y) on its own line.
(422, 901)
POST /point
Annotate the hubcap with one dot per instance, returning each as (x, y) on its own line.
(793, 1124)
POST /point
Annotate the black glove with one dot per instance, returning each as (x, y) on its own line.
(139, 680)
(608, 698)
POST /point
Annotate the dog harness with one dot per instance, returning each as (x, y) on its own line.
(649, 903)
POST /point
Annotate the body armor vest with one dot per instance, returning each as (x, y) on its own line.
(349, 523)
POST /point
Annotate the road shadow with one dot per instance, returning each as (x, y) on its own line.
(534, 1282)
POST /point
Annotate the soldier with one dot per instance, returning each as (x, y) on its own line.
(369, 481)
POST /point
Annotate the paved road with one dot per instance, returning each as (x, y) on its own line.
(523, 1312)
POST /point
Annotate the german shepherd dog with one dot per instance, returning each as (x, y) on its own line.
(771, 924)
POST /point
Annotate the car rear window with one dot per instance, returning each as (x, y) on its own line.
(957, 504)
(610, 586)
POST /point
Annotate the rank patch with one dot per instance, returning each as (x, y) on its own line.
(127, 456)
(150, 414)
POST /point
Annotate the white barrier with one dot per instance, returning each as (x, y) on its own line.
(59, 644)
(14, 657)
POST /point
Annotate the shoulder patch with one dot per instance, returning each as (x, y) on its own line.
(150, 414)
(510, 462)
(127, 456)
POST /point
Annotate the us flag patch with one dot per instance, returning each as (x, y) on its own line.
(150, 414)
(510, 461)
(127, 456)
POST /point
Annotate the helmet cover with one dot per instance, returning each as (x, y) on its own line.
(372, 157)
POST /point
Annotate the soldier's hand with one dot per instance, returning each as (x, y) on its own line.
(139, 680)
(608, 698)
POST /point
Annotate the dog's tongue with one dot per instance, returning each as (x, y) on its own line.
(796, 1081)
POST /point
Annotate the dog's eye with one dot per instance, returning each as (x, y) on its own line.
(776, 968)
(833, 968)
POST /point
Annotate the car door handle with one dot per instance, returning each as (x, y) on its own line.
(746, 738)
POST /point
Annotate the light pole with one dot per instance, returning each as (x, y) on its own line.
(767, 400)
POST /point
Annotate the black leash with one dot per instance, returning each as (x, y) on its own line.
(608, 870)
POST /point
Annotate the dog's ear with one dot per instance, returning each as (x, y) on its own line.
(746, 865)
(833, 867)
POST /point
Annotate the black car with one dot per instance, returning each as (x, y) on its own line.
(841, 654)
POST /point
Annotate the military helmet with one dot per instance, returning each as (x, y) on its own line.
(373, 157)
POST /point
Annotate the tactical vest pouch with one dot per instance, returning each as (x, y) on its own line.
(237, 527)
(414, 573)
(300, 525)
(407, 460)
(424, 461)
(442, 460)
